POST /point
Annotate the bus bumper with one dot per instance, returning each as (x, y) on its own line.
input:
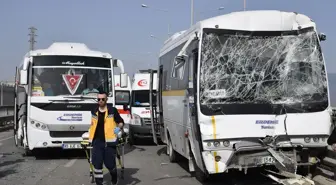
(55, 139)
(141, 131)
(212, 162)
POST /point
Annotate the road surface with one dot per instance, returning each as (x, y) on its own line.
(145, 165)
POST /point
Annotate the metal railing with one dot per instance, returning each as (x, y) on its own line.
(6, 104)
(6, 115)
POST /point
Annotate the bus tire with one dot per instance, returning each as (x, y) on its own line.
(171, 152)
(131, 139)
(26, 151)
(198, 173)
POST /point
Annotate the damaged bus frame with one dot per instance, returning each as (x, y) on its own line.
(235, 115)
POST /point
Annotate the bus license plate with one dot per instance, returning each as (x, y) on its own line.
(267, 160)
(71, 146)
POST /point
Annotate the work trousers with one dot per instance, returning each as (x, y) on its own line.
(107, 155)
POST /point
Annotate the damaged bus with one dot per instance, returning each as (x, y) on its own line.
(244, 90)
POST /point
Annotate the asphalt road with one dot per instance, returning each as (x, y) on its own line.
(145, 165)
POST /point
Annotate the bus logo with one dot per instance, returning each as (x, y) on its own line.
(72, 82)
(142, 83)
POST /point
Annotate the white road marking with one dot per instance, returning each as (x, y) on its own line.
(70, 163)
(0, 144)
(6, 138)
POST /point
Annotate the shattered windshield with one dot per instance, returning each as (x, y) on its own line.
(256, 67)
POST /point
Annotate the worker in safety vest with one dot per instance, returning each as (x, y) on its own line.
(106, 123)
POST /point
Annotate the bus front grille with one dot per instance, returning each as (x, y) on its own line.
(58, 134)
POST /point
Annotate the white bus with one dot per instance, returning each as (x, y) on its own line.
(123, 98)
(140, 126)
(55, 92)
(244, 90)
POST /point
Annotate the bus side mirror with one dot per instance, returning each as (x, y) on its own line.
(180, 59)
(123, 80)
(322, 36)
(23, 77)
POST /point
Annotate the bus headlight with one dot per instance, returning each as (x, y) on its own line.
(226, 143)
(136, 119)
(307, 139)
(216, 143)
(39, 125)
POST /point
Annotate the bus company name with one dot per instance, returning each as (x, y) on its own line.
(71, 117)
(142, 83)
(267, 124)
(78, 63)
(145, 112)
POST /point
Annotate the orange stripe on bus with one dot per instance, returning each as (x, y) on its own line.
(122, 111)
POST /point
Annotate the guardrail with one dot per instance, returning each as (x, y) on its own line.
(6, 116)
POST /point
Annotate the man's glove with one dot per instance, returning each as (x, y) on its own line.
(116, 130)
(333, 147)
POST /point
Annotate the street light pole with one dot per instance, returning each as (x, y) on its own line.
(244, 5)
(192, 13)
(197, 14)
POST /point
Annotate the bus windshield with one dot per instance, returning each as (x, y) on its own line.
(122, 97)
(70, 75)
(241, 67)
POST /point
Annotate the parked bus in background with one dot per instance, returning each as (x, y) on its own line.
(123, 98)
(55, 92)
(140, 126)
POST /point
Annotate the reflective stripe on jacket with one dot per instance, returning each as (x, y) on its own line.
(109, 125)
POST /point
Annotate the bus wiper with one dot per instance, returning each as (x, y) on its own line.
(82, 97)
(53, 101)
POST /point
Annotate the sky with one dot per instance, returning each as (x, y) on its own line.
(123, 28)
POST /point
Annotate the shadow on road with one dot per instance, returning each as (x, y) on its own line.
(128, 177)
(5, 170)
(53, 153)
(234, 177)
(145, 142)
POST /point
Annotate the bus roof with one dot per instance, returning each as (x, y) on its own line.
(258, 20)
(69, 49)
(141, 81)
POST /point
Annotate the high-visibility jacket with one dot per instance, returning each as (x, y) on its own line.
(111, 117)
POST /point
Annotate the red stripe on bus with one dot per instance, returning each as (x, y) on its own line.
(121, 111)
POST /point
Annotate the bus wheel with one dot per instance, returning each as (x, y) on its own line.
(16, 142)
(170, 151)
(198, 173)
(27, 151)
(131, 140)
